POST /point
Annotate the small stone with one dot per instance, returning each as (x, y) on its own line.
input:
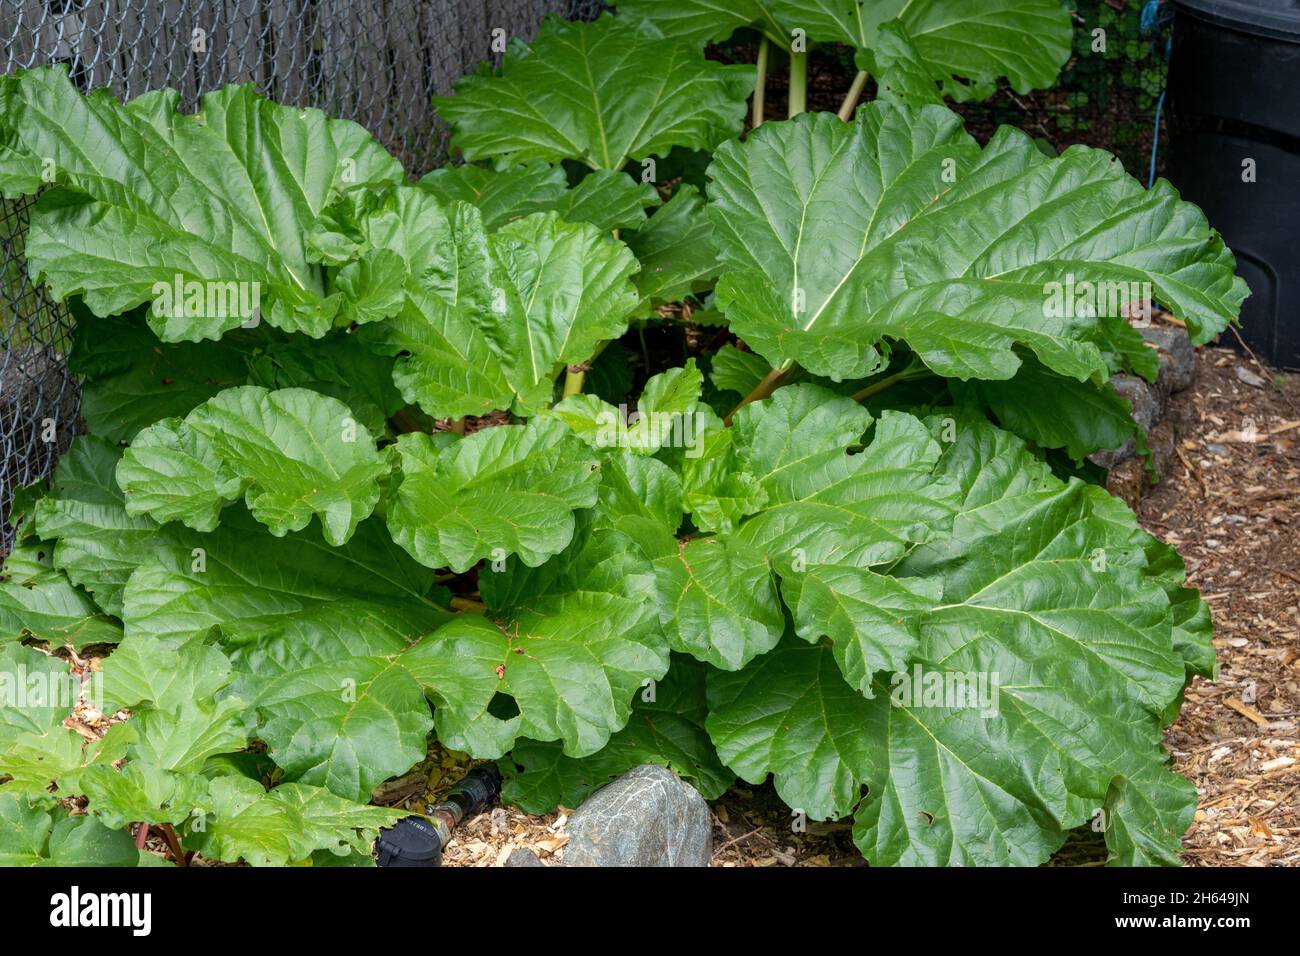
(1127, 480)
(1247, 377)
(522, 856)
(1112, 458)
(647, 817)
(1149, 405)
(1148, 402)
(1177, 356)
(1220, 451)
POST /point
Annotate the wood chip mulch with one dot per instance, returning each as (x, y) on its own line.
(1232, 508)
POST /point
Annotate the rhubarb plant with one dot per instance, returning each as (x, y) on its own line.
(841, 541)
(918, 51)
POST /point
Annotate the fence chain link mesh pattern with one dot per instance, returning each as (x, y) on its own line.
(374, 61)
(1106, 94)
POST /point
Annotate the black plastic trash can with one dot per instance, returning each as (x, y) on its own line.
(1234, 123)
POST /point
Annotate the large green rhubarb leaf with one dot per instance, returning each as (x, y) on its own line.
(146, 671)
(606, 198)
(445, 335)
(571, 642)
(488, 322)
(898, 226)
(34, 835)
(1041, 665)
(343, 714)
(818, 499)
(571, 666)
(280, 596)
(873, 620)
(675, 249)
(708, 21)
(719, 601)
(292, 453)
(568, 289)
(642, 498)
(1046, 560)
(345, 726)
(39, 602)
(501, 491)
(148, 199)
(667, 728)
(141, 791)
(172, 473)
(826, 506)
(958, 48)
(790, 713)
(244, 821)
(602, 92)
(264, 595)
(181, 740)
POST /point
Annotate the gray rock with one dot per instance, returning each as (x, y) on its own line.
(1149, 404)
(647, 817)
(1110, 458)
(1177, 357)
(522, 856)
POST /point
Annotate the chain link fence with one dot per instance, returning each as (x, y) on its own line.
(1109, 92)
(374, 61)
